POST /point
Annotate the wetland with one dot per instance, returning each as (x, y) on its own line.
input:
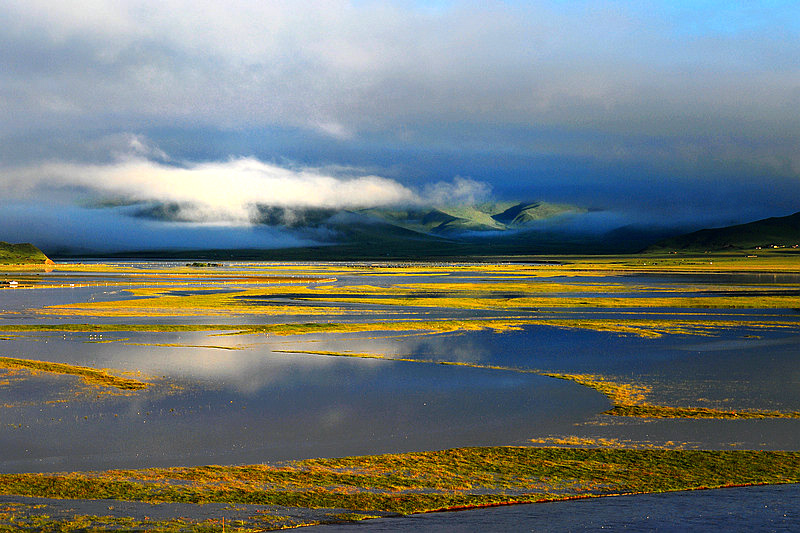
(335, 392)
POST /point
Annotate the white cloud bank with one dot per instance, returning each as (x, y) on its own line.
(220, 191)
(225, 191)
(654, 105)
(67, 205)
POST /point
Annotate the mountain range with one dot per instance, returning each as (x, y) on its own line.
(775, 232)
(490, 228)
(446, 232)
(496, 216)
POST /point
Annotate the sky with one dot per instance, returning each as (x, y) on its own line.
(672, 113)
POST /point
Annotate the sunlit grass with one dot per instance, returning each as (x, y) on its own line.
(511, 303)
(92, 376)
(425, 481)
(642, 327)
(467, 477)
(279, 289)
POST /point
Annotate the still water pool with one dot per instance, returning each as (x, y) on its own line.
(754, 509)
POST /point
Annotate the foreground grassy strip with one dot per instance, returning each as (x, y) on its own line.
(629, 400)
(425, 481)
(14, 520)
(92, 376)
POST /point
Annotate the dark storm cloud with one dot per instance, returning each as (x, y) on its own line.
(626, 106)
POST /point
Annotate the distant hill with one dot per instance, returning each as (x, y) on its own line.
(766, 233)
(447, 221)
(25, 253)
(450, 220)
(417, 231)
(521, 215)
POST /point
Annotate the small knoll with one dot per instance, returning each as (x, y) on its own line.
(22, 254)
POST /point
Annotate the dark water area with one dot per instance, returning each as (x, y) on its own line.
(236, 399)
(17, 301)
(239, 399)
(250, 409)
(756, 509)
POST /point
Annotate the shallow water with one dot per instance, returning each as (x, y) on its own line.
(755, 509)
(236, 399)
(255, 407)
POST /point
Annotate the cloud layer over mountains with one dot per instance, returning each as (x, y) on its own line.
(98, 206)
(648, 109)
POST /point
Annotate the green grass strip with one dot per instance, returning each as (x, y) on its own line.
(426, 481)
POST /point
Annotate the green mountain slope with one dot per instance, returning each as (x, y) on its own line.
(450, 220)
(418, 231)
(468, 218)
(766, 233)
(524, 214)
(25, 253)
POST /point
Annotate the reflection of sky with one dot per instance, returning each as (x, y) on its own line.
(241, 401)
(305, 406)
(251, 404)
(750, 372)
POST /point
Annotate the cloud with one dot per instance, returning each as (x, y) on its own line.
(458, 192)
(227, 191)
(220, 204)
(642, 103)
(614, 78)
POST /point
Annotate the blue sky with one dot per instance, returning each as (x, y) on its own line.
(670, 113)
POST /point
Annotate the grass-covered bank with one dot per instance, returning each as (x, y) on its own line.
(425, 481)
(22, 254)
